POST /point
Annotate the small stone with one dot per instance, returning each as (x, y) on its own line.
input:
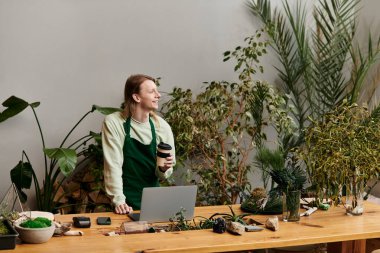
(235, 228)
(272, 223)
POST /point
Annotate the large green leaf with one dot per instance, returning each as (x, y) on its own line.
(14, 106)
(105, 110)
(97, 137)
(21, 176)
(67, 158)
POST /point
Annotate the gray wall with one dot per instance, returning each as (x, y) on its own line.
(71, 54)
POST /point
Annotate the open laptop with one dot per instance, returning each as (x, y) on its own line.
(159, 204)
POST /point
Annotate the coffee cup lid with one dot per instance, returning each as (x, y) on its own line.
(164, 146)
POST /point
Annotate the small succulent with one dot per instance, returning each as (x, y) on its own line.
(219, 226)
(259, 193)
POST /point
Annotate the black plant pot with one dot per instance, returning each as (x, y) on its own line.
(8, 241)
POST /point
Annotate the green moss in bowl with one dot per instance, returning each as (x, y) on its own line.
(39, 222)
(38, 230)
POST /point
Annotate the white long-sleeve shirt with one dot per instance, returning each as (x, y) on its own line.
(113, 136)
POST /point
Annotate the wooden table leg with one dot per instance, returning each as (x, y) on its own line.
(358, 246)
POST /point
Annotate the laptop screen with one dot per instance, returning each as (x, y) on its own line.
(159, 204)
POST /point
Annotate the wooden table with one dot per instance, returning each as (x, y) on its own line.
(344, 234)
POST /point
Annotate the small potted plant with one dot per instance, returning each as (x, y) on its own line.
(7, 233)
(288, 179)
(37, 230)
(341, 153)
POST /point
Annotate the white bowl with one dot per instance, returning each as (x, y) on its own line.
(35, 214)
(35, 235)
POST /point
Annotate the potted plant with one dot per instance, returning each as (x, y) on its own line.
(63, 160)
(7, 235)
(341, 153)
(7, 232)
(37, 230)
(288, 179)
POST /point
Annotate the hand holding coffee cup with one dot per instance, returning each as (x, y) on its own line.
(163, 152)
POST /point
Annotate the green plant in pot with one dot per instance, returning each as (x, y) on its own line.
(288, 179)
(341, 153)
(37, 230)
(7, 235)
(59, 162)
(7, 216)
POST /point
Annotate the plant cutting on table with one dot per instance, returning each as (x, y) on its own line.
(179, 223)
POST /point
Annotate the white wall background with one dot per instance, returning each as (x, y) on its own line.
(71, 54)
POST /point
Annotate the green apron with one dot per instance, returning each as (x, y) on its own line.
(139, 166)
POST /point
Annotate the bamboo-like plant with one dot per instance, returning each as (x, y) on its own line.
(63, 160)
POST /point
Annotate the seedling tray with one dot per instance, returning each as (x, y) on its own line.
(8, 241)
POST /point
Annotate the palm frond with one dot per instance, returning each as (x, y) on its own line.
(361, 65)
(335, 26)
(369, 87)
(293, 51)
(270, 158)
(261, 8)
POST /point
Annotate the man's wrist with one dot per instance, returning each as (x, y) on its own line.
(162, 169)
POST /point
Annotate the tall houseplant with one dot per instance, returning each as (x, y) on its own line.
(217, 131)
(343, 150)
(320, 62)
(59, 162)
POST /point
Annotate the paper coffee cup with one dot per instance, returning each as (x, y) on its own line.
(163, 151)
